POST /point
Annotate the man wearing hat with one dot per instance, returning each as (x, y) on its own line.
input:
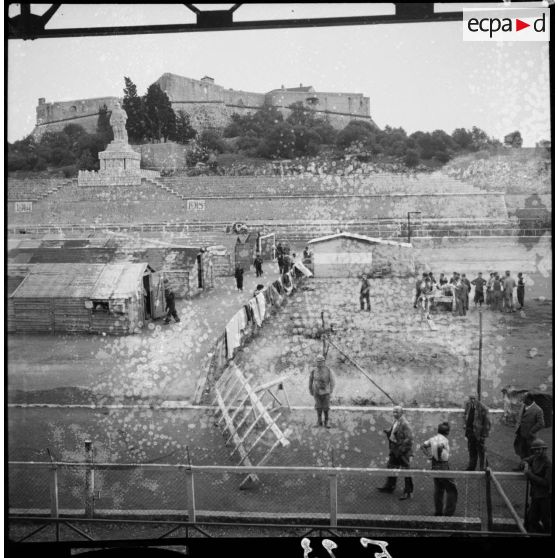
(321, 384)
(169, 301)
(400, 438)
(531, 420)
(476, 424)
(538, 470)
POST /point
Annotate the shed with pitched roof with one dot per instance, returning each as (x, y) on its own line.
(114, 299)
(352, 255)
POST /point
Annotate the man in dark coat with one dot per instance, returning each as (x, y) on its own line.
(258, 262)
(239, 276)
(476, 423)
(531, 420)
(400, 438)
(467, 283)
(170, 304)
(479, 283)
(365, 292)
(538, 470)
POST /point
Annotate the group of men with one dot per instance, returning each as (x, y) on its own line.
(535, 464)
(499, 291)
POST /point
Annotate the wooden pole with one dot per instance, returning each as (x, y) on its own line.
(190, 490)
(508, 503)
(54, 495)
(360, 369)
(333, 500)
(479, 389)
(488, 487)
(89, 481)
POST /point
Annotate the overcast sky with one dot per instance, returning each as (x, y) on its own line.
(418, 76)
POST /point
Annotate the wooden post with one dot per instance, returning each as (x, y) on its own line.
(191, 495)
(488, 487)
(333, 500)
(54, 499)
(480, 356)
(508, 504)
(89, 481)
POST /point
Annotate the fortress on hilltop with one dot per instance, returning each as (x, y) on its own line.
(210, 105)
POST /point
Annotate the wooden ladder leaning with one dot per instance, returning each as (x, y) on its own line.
(249, 416)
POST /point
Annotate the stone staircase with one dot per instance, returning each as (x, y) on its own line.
(161, 185)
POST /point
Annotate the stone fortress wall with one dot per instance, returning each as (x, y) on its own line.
(54, 116)
(210, 105)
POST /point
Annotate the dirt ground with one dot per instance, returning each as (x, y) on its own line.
(393, 343)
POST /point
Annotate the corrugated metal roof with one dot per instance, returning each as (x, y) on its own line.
(360, 237)
(81, 281)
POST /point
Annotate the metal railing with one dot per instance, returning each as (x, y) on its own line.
(329, 497)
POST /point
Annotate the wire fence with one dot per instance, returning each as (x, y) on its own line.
(321, 496)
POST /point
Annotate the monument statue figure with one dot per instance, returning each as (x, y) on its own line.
(117, 121)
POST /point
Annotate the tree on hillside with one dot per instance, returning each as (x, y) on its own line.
(463, 139)
(301, 116)
(513, 139)
(357, 131)
(104, 129)
(184, 130)
(210, 140)
(135, 111)
(279, 142)
(160, 117)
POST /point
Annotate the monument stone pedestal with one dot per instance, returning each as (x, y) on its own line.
(119, 163)
(119, 157)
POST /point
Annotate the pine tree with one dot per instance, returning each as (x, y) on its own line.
(160, 117)
(135, 110)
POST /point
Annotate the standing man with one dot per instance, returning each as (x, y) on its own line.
(321, 385)
(509, 286)
(538, 470)
(170, 304)
(460, 296)
(279, 254)
(531, 420)
(479, 283)
(418, 287)
(400, 438)
(239, 276)
(476, 423)
(467, 283)
(365, 292)
(258, 262)
(490, 291)
(497, 293)
(437, 448)
(520, 290)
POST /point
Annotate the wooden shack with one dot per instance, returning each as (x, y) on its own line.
(113, 299)
(189, 270)
(351, 255)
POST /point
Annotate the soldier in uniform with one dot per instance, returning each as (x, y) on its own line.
(321, 385)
